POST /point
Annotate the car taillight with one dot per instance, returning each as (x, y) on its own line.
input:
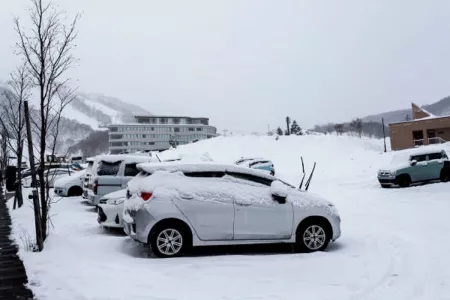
(95, 187)
(146, 195)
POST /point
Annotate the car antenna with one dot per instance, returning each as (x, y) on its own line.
(310, 177)
(158, 157)
(303, 178)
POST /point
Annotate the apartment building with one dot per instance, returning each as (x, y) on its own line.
(157, 133)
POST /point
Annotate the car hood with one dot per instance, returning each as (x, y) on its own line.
(116, 194)
(66, 179)
(304, 199)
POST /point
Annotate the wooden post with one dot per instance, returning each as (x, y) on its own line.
(37, 208)
(384, 134)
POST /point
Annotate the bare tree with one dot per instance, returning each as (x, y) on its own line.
(4, 153)
(46, 48)
(13, 122)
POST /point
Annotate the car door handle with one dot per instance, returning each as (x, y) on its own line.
(243, 204)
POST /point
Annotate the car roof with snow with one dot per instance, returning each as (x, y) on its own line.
(200, 167)
(419, 151)
(112, 158)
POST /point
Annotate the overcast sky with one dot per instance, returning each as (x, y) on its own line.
(250, 63)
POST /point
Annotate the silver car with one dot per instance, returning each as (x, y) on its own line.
(173, 206)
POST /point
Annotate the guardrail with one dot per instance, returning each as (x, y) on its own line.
(436, 140)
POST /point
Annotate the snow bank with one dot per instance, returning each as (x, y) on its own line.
(386, 250)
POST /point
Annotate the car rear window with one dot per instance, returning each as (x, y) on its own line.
(108, 168)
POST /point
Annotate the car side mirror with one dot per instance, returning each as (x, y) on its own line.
(413, 162)
(279, 191)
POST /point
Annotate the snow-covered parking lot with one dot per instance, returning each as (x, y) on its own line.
(394, 242)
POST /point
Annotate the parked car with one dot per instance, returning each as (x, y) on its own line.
(70, 185)
(110, 209)
(174, 206)
(51, 174)
(112, 174)
(258, 164)
(419, 165)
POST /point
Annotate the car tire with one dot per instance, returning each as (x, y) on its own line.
(312, 236)
(169, 241)
(385, 186)
(403, 180)
(272, 173)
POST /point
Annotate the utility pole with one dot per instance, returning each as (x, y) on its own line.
(384, 134)
(37, 208)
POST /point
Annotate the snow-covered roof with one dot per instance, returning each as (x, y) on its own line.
(127, 158)
(200, 167)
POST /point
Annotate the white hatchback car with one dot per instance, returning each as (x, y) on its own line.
(110, 209)
(173, 206)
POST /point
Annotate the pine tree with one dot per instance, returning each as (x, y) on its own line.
(279, 131)
(295, 129)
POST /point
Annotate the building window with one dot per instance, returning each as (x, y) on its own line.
(176, 129)
(163, 120)
(113, 129)
(191, 129)
(176, 120)
(116, 144)
(199, 129)
(116, 136)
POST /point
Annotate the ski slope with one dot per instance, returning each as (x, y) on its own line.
(393, 246)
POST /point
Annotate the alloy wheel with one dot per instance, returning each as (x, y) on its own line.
(314, 237)
(169, 242)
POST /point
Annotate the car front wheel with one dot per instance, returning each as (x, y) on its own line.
(312, 237)
(168, 242)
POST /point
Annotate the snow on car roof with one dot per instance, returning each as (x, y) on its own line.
(112, 158)
(199, 167)
(421, 150)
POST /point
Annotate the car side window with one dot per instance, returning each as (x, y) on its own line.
(205, 174)
(433, 156)
(252, 178)
(419, 158)
(131, 170)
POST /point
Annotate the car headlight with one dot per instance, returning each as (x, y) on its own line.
(115, 201)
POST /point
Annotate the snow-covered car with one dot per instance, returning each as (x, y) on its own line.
(175, 206)
(257, 163)
(423, 164)
(110, 209)
(70, 185)
(112, 174)
(92, 163)
(51, 174)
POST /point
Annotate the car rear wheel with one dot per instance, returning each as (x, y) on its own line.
(312, 237)
(168, 241)
(445, 176)
(385, 186)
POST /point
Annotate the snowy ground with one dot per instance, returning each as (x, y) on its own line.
(394, 242)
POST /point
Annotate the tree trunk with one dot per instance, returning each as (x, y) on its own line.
(18, 195)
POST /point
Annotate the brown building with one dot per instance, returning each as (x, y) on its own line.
(424, 129)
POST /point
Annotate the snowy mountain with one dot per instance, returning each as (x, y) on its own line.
(440, 108)
(86, 114)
